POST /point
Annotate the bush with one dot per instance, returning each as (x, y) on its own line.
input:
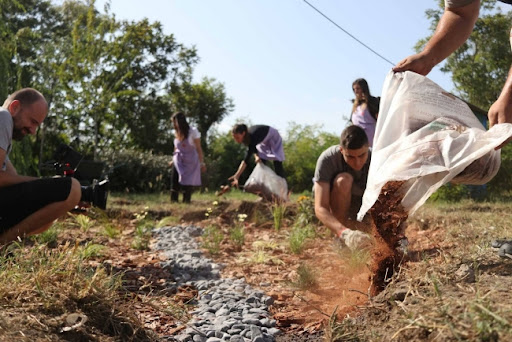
(140, 172)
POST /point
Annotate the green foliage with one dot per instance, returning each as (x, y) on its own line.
(500, 187)
(211, 239)
(92, 250)
(205, 104)
(223, 159)
(22, 157)
(298, 236)
(48, 237)
(278, 211)
(138, 171)
(110, 230)
(237, 235)
(303, 146)
(84, 222)
(142, 235)
(305, 211)
(450, 193)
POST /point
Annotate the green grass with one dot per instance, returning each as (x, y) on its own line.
(306, 278)
(298, 237)
(237, 235)
(211, 239)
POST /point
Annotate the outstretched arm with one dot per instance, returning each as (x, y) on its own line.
(238, 173)
(452, 31)
(323, 208)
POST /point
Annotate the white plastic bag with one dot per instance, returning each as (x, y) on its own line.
(427, 137)
(264, 182)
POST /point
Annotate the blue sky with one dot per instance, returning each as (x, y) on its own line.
(281, 61)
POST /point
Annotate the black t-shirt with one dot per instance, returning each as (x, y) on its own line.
(255, 135)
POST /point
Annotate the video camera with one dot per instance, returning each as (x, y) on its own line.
(70, 163)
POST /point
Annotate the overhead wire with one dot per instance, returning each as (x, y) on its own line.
(349, 34)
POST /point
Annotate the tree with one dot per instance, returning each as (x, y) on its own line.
(302, 147)
(205, 104)
(114, 73)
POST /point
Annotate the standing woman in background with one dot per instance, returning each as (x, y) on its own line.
(187, 161)
(365, 109)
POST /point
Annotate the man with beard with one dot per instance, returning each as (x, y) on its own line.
(28, 205)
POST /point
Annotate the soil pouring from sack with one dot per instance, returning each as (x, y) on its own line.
(388, 216)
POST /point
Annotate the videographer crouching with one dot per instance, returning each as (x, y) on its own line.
(28, 205)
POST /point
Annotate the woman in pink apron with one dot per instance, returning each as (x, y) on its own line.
(187, 161)
(365, 109)
(264, 142)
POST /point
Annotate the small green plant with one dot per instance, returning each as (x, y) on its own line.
(92, 250)
(278, 211)
(306, 278)
(259, 257)
(237, 234)
(49, 237)
(298, 237)
(305, 211)
(142, 235)
(212, 237)
(110, 230)
(84, 222)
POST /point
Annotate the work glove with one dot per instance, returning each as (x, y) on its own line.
(355, 239)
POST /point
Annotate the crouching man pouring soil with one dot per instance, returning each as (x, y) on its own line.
(340, 179)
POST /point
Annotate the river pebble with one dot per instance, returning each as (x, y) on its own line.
(228, 309)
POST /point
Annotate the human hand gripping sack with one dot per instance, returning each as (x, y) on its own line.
(356, 240)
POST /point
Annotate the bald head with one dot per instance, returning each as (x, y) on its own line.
(28, 109)
(25, 96)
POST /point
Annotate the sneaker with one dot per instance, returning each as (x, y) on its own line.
(500, 242)
(505, 250)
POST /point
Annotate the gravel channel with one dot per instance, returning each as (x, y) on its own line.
(227, 309)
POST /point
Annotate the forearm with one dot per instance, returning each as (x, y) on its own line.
(240, 170)
(8, 178)
(327, 218)
(506, 93)
(452, 31)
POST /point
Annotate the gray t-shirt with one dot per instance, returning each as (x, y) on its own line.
(457, 3)
(6, 126)
(331, 163)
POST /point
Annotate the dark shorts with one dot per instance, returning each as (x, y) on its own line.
(19, 201)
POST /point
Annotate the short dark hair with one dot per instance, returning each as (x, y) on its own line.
(239, 128)
(353, 137)
(26, 96)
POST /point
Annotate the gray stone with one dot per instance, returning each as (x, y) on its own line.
(274, 332)
(236, 338)
(213, 339)
(199, 338)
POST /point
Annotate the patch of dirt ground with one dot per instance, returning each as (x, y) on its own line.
(425, 300)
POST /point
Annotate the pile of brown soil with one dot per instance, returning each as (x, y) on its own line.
(388, 216)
